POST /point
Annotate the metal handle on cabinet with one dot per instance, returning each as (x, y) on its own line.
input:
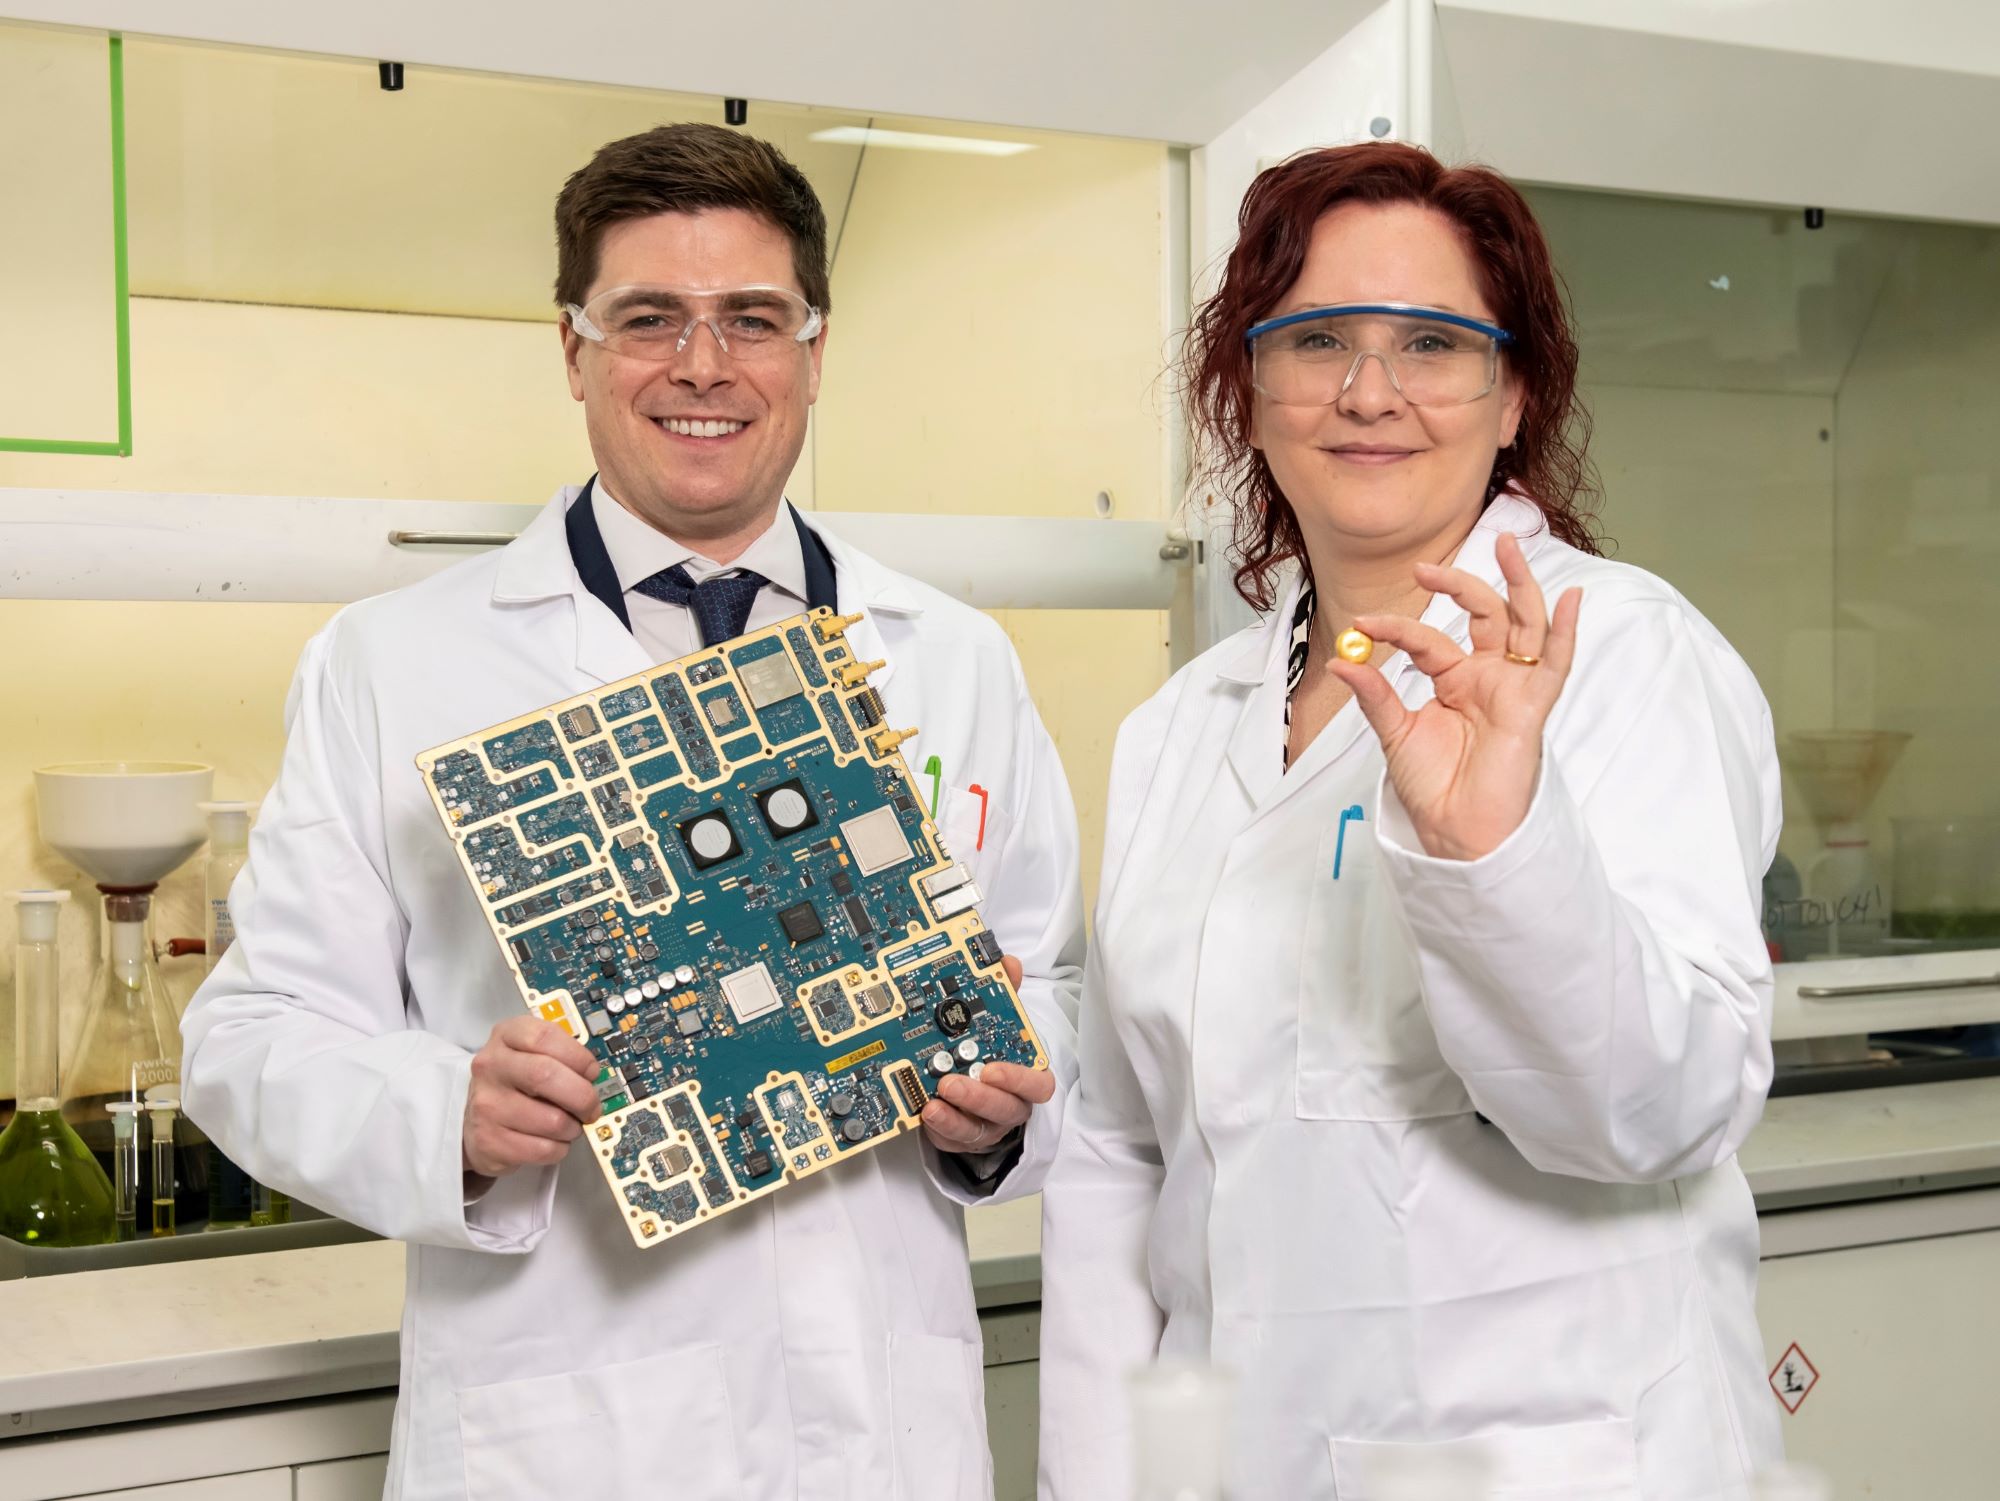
(452, 539)
(1911, 987)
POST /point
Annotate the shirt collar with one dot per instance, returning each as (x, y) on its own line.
(639, 550)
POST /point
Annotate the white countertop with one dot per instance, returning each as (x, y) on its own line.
(143, 1342)
(190, 1336)
(1816, 1142)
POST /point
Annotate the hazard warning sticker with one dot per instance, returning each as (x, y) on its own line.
(1793, 1378)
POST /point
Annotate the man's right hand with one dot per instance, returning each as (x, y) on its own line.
(533, 1091)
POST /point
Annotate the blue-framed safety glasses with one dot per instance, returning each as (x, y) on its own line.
(1433, 358)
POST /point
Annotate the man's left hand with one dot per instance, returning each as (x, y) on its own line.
(969, 1116)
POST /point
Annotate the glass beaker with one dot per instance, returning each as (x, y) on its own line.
(1947, 879)
(130, 1043)
(52, 1191)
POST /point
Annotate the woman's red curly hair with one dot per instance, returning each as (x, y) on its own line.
(1547, 462)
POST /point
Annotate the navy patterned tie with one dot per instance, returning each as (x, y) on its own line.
(721, 605)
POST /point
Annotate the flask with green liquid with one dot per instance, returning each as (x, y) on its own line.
(52, 1191)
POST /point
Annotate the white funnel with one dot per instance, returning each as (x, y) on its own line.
(124, 823)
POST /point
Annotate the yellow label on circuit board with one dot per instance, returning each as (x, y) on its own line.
(859, 1055)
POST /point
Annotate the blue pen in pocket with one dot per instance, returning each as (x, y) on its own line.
(1340, 839)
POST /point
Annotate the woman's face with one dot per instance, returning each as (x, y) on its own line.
(1370, 471)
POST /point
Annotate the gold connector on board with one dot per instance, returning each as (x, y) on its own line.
(853, 674)
(835, 626)
(884, 741)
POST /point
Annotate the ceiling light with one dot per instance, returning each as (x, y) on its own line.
(914, 140)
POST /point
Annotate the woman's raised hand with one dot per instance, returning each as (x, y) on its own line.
(1465, 764)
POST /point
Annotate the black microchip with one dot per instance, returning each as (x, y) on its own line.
(953, 984)
(757, 1164)
(903, 804)
(746, 1121)
(522, 953)
(843, 883)
(801, 923)
(711, 832)
(954, 1019)
(558, 952)
(858, 916)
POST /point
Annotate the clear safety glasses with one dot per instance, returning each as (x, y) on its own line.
(655, 323)
(1434, 359)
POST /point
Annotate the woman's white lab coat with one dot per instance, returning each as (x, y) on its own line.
(1432, 1153)
(820, 1344)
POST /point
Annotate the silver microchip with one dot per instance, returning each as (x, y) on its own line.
(769, 680)
(750, 993)
(877, 840)
(723, 711)
(877, 999)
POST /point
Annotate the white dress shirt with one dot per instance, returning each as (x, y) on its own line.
(639, 550)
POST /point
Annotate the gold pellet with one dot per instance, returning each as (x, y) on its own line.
(1354, 646)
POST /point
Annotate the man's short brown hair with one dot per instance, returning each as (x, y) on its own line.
(684, 169)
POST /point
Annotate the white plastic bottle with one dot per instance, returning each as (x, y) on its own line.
(1792, 1482)
(1181, 1416)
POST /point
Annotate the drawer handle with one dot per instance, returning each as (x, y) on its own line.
(1911, 987)
(451, 539)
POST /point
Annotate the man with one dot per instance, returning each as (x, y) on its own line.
(363, 1048)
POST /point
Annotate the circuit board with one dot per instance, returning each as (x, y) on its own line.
(720, 876)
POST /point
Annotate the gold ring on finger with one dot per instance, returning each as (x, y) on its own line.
(1525, 659)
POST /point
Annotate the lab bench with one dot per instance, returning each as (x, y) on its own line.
(273, 1375)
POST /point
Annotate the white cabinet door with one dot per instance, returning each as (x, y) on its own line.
(343, 1479)
(1890, 1390)
(253, 1485)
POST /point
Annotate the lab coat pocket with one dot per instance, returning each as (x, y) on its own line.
(589, 1433)
(1366, 1048)
(1595, 1461)
(938, 1418)
(970, 825)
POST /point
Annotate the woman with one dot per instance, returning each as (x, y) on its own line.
(1427, 1006)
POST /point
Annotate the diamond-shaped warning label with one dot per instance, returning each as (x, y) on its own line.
(1793, 1378)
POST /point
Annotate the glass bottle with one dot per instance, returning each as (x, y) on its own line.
(235, 1199)
(52, 1191)
(130, 1043)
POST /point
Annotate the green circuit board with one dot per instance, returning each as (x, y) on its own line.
(720, 876)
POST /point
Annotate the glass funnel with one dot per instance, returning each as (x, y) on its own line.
(52, 1191)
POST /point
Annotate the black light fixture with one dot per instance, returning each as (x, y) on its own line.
(1815, 218)
(391, 75)
(735, 111)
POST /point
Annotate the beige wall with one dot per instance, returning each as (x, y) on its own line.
(996, 348)
(56, 278)
(285, 400)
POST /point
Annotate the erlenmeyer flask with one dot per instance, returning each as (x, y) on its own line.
(52, 1192)
(131, 1042)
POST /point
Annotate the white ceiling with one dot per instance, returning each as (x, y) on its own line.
(1154, 69)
